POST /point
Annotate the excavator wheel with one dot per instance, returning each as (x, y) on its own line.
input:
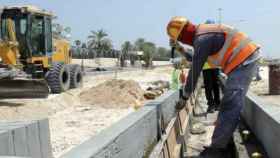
(76, 76)
(58, 78)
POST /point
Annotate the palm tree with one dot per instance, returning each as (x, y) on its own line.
(77, 48)
(139, 44)
(126, 48)
(99, 41)
(149, 50)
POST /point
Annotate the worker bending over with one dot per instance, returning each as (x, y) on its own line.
(225, 47)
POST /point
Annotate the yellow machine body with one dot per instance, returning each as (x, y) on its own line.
(27, 45)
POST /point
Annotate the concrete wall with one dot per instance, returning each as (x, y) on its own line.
(132, 137)
(264, 120)
(27, 139)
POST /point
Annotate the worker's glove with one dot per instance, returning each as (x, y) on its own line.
(181, 103)
(177, 46)
(173, 43)
(223, 78)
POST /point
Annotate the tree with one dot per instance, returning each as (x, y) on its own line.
(77, 49)
(149, 49)
(77, 43)
(59, 31)
(139, 44)
(99, 41)
(127, 47)
(162, 54)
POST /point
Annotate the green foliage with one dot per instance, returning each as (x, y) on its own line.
(99, 42)
(127, 47)
(162, 54)
(59, 31)
(139, 43)
(149, 49)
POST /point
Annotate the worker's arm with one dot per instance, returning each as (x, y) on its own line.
(202, 48)
(187, 54)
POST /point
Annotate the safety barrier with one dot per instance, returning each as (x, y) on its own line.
(25, 138)
(264, 120)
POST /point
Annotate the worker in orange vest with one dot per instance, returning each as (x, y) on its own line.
(224, 47)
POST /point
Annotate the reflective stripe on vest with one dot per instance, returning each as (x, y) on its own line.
(206, 66)
(234, 45)
(231, 32)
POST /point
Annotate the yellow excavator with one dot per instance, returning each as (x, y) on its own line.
(33, 63)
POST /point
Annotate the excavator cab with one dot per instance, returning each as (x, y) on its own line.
(33, 32)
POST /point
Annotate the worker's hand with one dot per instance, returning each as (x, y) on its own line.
(177, 46)
(173, 43)
(181, 103)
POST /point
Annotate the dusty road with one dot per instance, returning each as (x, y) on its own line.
(71, 121)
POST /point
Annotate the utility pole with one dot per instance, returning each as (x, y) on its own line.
(220, 15)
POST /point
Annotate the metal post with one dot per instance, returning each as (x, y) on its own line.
(220, 15)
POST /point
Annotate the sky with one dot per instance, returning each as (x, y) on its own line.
(130, 19)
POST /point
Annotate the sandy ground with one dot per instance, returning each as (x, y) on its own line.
(261, 88)
(108, 62)
(72, 122)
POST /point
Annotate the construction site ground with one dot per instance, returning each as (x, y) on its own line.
(73, 121)
(202, 128)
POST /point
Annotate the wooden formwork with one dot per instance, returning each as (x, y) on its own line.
(173, 139)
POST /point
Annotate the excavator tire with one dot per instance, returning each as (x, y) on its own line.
(58, 78)
(76, 76)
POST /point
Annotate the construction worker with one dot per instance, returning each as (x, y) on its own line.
(175, 82)
(225, 47)
(212, 89)
(178, 76)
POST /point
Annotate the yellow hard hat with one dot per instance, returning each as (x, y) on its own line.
(175, 27)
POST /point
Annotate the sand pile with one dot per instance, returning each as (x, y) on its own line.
(114, 94)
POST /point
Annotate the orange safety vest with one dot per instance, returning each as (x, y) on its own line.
(237, 47)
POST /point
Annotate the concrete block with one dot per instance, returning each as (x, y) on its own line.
(27, 138)
(20, 141)
(33, 141)
(263, 120)
(44, 137)
(6, 143)
(166, 104)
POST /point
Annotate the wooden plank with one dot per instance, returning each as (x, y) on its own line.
(171, 143)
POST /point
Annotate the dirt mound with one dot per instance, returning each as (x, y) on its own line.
(114, 94)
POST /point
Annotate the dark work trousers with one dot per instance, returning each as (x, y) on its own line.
(232, 103)
(212, 89)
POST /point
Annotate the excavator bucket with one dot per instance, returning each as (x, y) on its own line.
(21, 88)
